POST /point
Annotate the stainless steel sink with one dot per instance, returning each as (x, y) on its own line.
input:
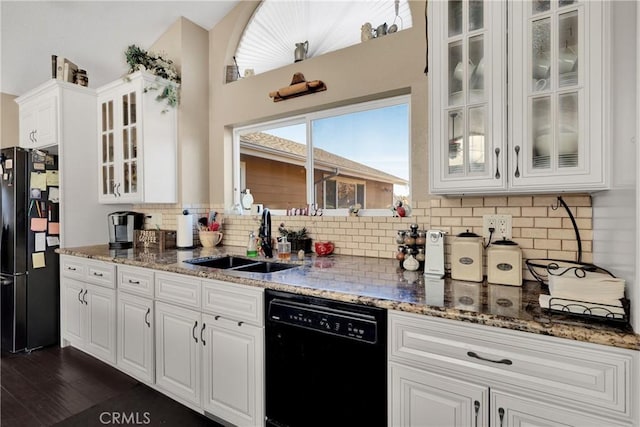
(224, 262)
(240, 264)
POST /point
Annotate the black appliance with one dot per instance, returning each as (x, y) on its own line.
(29, 267)
(122, 228)
(325, 362)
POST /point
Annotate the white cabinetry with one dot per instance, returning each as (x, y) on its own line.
(453, 369)
(554, 136)
(88, 302)
(38, 118)
(60, 118)
(136, 323)
(178, 352)
(137, 140)
(233, 345)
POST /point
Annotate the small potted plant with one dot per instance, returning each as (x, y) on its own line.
(299, 239)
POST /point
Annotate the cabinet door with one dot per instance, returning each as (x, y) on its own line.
(73, 311)
(558, 77)
(467, 89)
(233, 370)
(421, 398)
(178, 351)
(101, 322)
(107, 149)
(39, 122)
(135, 336)
(130, 160)
(509, 411)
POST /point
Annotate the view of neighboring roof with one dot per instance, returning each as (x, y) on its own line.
(261, 141)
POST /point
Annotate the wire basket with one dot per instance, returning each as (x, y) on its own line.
(589, 310)
(541, 269)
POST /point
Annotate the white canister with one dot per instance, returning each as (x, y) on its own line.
(504, 263)
(466, 257)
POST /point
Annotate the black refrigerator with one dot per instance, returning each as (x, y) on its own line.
(29, 274)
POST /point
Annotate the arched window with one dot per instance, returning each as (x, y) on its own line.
(270, 38)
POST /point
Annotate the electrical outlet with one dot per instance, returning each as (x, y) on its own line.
(501, 225)
(153, 221)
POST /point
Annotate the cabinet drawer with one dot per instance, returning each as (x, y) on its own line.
(233, 301)
(136, 280)
(178, 289)
(101, 273)
(549, 368)
(72, 267)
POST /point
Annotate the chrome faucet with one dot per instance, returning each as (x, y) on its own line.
(265, 233)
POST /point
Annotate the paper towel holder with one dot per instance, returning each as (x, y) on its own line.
(184, 232)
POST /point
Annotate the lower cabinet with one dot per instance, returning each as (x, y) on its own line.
(232, 370)
(135, 337)
(442, 372)
(88, 318)
(178, 351)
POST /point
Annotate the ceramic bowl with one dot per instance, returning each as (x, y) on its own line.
(324, 248)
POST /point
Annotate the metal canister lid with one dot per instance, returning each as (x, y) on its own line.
(505, 242)
(468, 234)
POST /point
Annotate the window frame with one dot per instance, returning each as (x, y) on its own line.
(308, 119)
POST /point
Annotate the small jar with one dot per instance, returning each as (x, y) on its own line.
(400, 237)
(409, 239)
(401, 253)
(421, 240)
(420, 255)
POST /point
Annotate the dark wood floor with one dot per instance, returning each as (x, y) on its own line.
(54, 385)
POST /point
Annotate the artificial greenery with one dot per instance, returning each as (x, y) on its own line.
(292, 234)
(141, 60)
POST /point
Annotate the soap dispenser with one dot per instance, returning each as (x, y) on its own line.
(252, 250)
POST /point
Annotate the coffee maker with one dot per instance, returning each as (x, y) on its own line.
(122, 226)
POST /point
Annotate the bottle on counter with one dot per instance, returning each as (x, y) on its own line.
(410, 263)
(252, 250)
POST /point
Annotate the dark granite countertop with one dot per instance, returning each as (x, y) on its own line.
(381, 283)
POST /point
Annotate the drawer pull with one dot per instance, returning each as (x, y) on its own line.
(240, 323)
(146, 317)
(217, 317)
(84, 297)
(201, 334)
(80, 293)
(476, 406)
(134, 282)
(193, 331)
(95, 273)
(475, 355)
(501, 414)
(71, 268)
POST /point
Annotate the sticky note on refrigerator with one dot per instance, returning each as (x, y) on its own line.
(40, 242)
(37, 258)
(38, 224)
(38, 180)
(54, 194)
(54, 228)
(53, 241)
(52, 177)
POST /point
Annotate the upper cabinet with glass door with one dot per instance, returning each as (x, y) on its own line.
(557, 105)
(467, 90)
(554, 78)
(137, 140)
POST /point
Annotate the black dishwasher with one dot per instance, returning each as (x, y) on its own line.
(325, 362)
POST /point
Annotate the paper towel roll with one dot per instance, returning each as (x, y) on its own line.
(184, 235)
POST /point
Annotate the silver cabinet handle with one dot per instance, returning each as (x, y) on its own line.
(475, 355)
(202, 333)
(501, 415)
(193, 331)
(84, 297)
(146, 317)
(476, 406)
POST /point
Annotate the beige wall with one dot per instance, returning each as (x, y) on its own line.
(8, 121)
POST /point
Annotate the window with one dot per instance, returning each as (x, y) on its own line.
(357, 155)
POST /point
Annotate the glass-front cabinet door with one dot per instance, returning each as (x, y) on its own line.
(557, 73)
(107, 154)
(467, 89)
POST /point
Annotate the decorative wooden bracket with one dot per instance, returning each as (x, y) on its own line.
(298, 87)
